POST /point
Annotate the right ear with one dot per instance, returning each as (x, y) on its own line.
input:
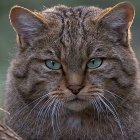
(26, 23)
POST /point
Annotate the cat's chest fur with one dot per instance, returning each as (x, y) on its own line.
(75, 75)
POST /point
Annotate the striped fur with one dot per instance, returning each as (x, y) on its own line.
(40, 104)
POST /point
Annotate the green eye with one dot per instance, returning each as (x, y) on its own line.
(52, 64)
(94, 63)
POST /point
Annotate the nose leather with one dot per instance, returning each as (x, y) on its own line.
(75, 88)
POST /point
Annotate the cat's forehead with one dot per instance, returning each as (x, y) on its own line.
(67, 12)
(73, 35)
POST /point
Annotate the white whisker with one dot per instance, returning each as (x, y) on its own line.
(113, 111)
(113, 94)
(40, 117)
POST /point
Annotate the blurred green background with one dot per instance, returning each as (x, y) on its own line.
(7, 35)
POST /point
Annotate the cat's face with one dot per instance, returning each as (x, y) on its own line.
(74, 58)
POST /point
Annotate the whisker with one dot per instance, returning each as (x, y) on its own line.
(57, 115)
(53, 119)
(3, 110)
(113, 111)
(41, 115)
(113, 94)
(100, 105)
(26, 106)
(95, 105)
(22, 109)
(28, 115)
(24, 116)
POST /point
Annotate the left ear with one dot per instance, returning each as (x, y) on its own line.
(26, 23)
(118, 18)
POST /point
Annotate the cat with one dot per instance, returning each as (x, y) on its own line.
(75, 75)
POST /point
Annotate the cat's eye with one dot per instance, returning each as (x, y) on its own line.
(94, 63)
(52, 64)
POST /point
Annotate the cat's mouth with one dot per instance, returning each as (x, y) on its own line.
(76, 99)
(76, 104)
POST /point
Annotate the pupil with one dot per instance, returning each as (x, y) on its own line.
(92, 61)
(53, 63)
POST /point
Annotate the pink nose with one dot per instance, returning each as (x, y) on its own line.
(75, 88)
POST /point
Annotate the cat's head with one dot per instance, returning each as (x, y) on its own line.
(76, 58)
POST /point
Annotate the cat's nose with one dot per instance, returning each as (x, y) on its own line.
(75, 89)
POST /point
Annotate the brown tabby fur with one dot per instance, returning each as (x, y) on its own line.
(41, 105)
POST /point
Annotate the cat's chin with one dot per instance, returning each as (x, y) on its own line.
(76, 105)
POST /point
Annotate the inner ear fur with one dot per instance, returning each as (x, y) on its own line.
(119, 17)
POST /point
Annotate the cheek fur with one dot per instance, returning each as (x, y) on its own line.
(38, 80)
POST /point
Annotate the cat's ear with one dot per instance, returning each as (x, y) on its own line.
(118, 18)
(25, 22)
